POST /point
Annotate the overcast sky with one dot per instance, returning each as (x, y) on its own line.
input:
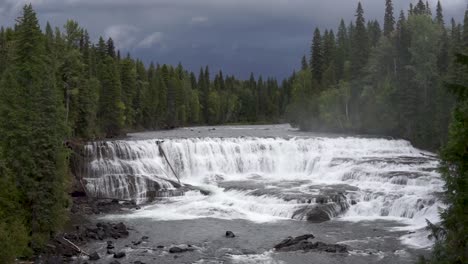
(266, 37)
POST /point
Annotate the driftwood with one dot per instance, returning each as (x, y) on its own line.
(167, 160)
(109, 198)
(75, 247)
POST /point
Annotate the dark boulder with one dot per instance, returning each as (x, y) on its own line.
(119, 254)
(180, 249)
(230, 234)
(303, 243)
(290, 241)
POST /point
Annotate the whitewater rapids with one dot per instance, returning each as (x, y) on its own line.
(269, 179)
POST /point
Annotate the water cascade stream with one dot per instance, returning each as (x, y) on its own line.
(262, 179)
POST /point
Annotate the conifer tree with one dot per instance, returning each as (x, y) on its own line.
(389, 19)
(439, 15)
(360, 38)
(111, 107)
(316, 58)
(32, 126)
(304, 64)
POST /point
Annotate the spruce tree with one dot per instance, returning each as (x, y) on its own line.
(389, 19)
(111, 107)
(439, 15)
(316, 58)
(342, 52)
(32, 126)
(360, 52)
(304, 64)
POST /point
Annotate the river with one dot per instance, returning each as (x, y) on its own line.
(266, 183)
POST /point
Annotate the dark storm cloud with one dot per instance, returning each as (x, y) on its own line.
(239, 36)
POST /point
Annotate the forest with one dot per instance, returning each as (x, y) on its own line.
(405, 79)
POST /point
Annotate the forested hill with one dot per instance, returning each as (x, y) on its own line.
(387, 79)
(105, 94)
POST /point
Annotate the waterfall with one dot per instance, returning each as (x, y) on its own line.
(309, 178)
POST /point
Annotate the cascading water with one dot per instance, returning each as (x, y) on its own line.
(263, 179)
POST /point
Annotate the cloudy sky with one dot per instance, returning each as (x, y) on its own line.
(266, 37)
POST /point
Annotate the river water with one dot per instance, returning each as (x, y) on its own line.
(266, 183)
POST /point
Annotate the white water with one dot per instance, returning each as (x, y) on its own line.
(383, 179)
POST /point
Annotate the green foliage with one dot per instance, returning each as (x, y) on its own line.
(452, 247)
(32, 125)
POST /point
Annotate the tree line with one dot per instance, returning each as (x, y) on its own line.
(382, 80)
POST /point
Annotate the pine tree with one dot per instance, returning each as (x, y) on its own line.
(111, 48)
(342, 52)
(360, 52)
(419, 9)
(32, 126)
(128, 78)
(389, 19)
(111, 107)
(439, 15)
(454, 247)
(304, 64)
(316, 58)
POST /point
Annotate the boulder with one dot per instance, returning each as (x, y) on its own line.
(290, 241)
(230, 234)
(119, 254)
(181, 249)
(303, 243)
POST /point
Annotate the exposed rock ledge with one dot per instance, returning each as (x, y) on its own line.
(303, 243)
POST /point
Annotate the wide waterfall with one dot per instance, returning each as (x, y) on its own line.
(263, 179)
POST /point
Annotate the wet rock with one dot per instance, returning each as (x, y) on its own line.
(119, 254)
(94, 256)
(303, 243)
(230, 234)
(180, 249)
(290, 241)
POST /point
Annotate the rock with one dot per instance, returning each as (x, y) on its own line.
(144, 238)
(230, 234)
(110, 252)
(136, 243)
(303, 243)
(114, 262)
(160, 246)
(119, 255)
(290, 241)
(121, 229)
(94, 256)
(138, 262)
(180, 249)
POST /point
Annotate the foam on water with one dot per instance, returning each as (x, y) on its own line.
(391, 179)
